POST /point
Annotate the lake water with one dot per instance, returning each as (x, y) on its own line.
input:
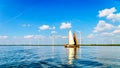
(56, 57)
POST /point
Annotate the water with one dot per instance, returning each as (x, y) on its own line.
(46, 57)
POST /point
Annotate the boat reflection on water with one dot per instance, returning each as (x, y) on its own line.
(70, 61)
(72, 47)
(72, 57)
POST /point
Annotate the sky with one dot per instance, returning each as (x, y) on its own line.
(41, 21)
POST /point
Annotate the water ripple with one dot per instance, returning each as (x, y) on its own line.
(43, 57)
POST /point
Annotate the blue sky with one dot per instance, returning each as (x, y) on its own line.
(33, 21)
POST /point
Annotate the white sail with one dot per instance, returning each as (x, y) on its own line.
(70, 42)
(70, 38)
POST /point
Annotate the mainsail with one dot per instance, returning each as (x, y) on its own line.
(70, 38)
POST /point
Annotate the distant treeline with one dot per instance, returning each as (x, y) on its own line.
(62, 45)
(100, 45)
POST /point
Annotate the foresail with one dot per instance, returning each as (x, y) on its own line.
(75, 39)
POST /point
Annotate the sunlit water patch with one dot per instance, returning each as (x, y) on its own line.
(46, 57)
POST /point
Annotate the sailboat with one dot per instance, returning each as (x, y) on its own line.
(72, 45)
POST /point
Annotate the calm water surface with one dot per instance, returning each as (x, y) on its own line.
(56, 57)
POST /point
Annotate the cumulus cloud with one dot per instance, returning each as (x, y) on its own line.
(117, 30)
(105, 30)
(110, 14)
(65, 25)
(103, 26)
(114, 17)
(114, 32)
(106, 12)
(3, 37)
(102, 34)
(44, 27)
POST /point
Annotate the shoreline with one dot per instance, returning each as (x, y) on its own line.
(59, 45)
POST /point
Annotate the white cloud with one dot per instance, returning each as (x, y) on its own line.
(106, 12)
(26, 25)
(65, 25)
(107, 34)
(38, 37)
(53, 27)
(100, 35)
(3, 37)
(116, 31)
(53, 32)
(91, 36)
(103, 26)
(118, 27)
(110, 14)
(104, 30)
(28, 36)
(34, 37)
(44, 27)
(60, 36)
(114, 17)
(64, 37)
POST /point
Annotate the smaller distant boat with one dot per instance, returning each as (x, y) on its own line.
(72, 45)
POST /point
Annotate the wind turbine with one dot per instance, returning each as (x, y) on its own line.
(112, 41)
(80, 42)
(80, 36)
(53, 42)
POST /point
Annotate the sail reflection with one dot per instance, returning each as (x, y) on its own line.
(72, 55)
